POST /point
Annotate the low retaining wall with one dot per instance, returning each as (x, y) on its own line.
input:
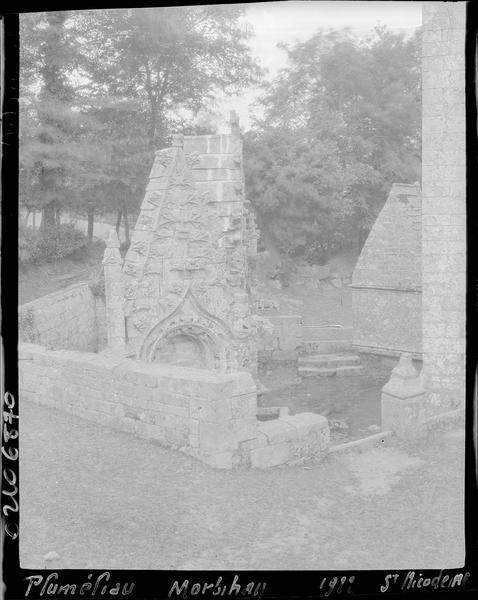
(284, 341)
(205, 414)
(290, 338)
(67, 319)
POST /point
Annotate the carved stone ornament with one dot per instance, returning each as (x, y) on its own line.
(183, 269)
(189, 318)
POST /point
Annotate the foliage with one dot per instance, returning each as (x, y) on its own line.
(39, 246)
(102, 89)
(52, 143)
(96, 282)
(341, 124)
(170, 59)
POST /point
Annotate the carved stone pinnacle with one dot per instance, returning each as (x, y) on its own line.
(178, 140)
(112, 240)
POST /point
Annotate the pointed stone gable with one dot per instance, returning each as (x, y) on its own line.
(387, 280)
(186, 276)
(391, 255)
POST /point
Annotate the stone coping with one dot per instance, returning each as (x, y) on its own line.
(364, 286)
(381, 351)
(444, 419)
(362, 443)
(58, 294)
(242, 379)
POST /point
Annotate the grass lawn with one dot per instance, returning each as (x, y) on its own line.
(104, 499)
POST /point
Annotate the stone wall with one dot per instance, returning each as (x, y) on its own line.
(386, 283)
(288, 337)
(69, 319)
(203, 413)
(443, 203)
(283, 342)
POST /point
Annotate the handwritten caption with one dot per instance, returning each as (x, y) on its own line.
(217, 588)
(336, 585)
(9, 488)
(413, 580)
(50, 586)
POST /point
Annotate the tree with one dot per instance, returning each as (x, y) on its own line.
(48, 157)
(170, 59)
(102, 89)
(347, 114)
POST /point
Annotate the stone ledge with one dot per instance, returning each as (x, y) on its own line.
(270, 456)
(443, 420)
(361, 444)
(305, 422)
(277, 431)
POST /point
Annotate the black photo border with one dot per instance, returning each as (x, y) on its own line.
(158, 584)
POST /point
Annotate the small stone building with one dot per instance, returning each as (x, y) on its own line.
(387, 280)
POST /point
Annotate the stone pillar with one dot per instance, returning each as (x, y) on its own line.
(115, 324)
(443, 204)
(403, 399)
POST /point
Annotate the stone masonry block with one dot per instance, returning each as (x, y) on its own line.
(215, 437)
(244, 407)
(193, 426)
(277, 431)
(202, 409)
(218, 460)
(168, 409)
(304, 423)
(209, 161)
(402, 415)
(270, 456)
(312, 445)
(258, 441)
(197, 143)
(193, 440)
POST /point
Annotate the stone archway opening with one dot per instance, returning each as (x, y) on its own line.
(182, 350)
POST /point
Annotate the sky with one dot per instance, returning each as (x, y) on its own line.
(292, 21)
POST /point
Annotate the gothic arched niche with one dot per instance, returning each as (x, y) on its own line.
(189, 336)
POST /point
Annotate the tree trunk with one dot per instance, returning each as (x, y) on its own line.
(58, 216)
(48, 216)
(34, 219)
(118, 221)
(126, 226)
(91, 222)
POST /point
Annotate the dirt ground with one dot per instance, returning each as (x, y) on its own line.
(104, 499)
(351, 404)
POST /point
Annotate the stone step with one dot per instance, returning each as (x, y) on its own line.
(347, 371)
(327, 332)
(328, 360)
(316, 371)
(325, 346)
(350, 370)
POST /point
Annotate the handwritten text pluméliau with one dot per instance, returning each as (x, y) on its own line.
(51, 586)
